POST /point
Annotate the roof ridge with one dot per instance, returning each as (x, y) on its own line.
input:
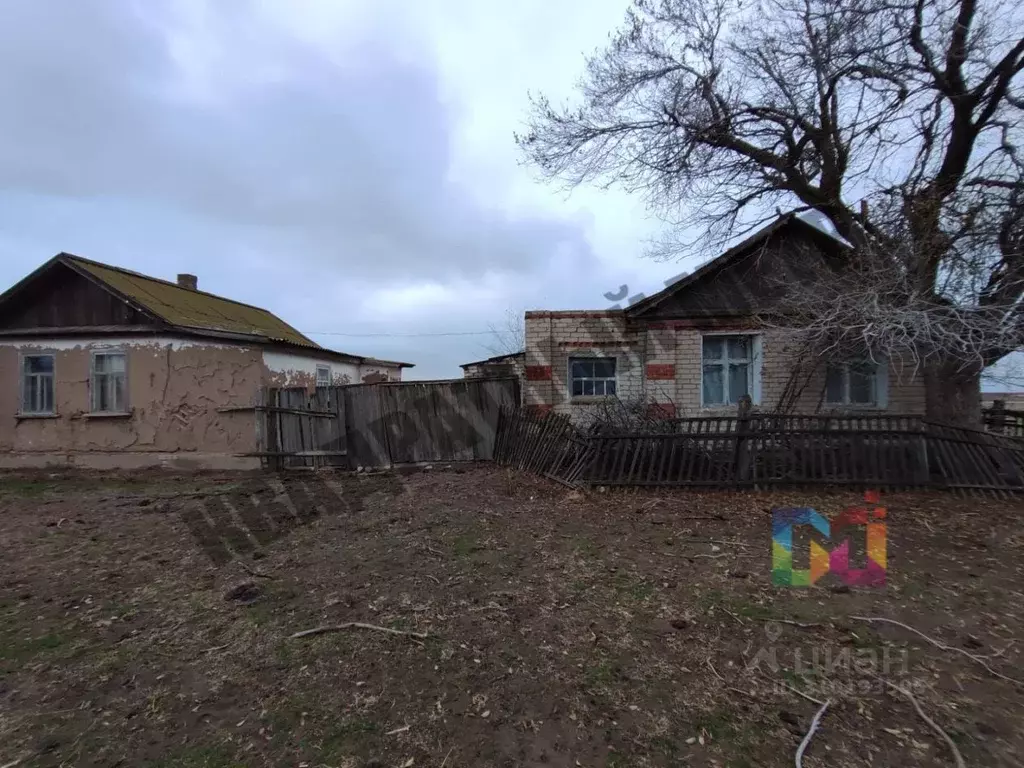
(133, 273)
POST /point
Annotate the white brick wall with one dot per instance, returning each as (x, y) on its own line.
(553, 337)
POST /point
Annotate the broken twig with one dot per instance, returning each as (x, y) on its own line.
(942, 646)
(252, 571)
(801, 694)
(957, 757)
(810, 733)
(356, 625)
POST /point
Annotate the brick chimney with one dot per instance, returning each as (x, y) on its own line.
(188, 281)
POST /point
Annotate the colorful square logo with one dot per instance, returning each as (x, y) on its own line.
(836, 560)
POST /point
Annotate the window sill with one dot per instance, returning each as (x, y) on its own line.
(25, 416)
(108, 415)
(840, 408)
(584, 399)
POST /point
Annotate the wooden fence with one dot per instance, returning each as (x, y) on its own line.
(1002, 421)
(765, 450)
(548, 445)
(380, 425)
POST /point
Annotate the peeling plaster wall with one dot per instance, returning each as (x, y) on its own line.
(174, 387)
(287, 369)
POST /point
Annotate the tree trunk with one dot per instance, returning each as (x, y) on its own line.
(952, 395)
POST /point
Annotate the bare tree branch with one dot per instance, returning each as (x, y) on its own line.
(899, 120)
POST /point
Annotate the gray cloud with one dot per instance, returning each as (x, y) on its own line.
(341, 164)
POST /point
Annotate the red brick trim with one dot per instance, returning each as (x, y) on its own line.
(539, 410)
(587, 344)
(538, 373)
(575, 313)
(661, 371)
(661, 410)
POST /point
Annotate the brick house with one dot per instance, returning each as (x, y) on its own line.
(511, 364)
(103, 367)
(696, 347)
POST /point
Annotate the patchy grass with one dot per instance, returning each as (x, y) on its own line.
(563, 628)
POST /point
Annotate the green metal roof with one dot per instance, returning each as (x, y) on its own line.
(191, 309)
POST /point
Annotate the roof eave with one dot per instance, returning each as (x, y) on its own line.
(724, 259)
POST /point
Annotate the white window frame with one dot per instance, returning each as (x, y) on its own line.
(590, 358)
(108, 377)
(316, 379)
(881, 393)
(23, 390)
(753, 369)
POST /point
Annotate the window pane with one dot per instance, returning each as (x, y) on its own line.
(576, 369)
(712, 385)
(609, 387)
(739, 347)
(46, 390)
(115, 363)
(713, 347)
(99, 392)
(588, 386)
(31, 402)
(737, 382)
(117, 400)
(862, 384)
(834, 384)
(39, 364)
(604, 368)
(577, 387)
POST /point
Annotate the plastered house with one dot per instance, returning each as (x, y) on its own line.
(103, 367)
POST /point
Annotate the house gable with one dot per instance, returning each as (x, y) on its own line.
(748, 278)
(57, 296)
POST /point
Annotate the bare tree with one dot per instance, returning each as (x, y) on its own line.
(899, 120)
(509, 336)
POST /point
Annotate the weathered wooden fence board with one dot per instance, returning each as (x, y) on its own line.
(764, 450)
(378, 425)
(365, 426)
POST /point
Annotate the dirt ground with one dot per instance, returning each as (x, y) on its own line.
(562, 628)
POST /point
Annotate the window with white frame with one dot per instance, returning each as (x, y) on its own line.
(728, 372)
(592, 376)
(37, 384)
(108, 383)
(323, 375)
(854, 383)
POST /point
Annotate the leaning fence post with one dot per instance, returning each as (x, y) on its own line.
(996, 417)
(741, 459)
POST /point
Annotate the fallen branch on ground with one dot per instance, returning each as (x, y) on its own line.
(941, 646)
(801, 624)
(810, 733)
(800, 693)
(957, 757)
(356, 625)
(252, 571)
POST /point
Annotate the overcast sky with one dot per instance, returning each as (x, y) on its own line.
(348, 165)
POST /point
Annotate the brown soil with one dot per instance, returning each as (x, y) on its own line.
(564, 629)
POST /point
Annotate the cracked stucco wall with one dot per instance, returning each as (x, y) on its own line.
(174, 388)
(287, 369)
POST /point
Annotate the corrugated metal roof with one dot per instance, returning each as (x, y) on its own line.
(192, 309)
